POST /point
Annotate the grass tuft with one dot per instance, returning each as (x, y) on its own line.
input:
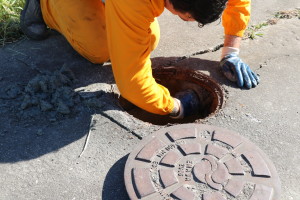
(253, 31)
(9, 21)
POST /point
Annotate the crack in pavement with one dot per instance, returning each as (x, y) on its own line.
(209, 50)
(120, 124)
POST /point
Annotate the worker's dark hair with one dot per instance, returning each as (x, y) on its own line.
(203, 11)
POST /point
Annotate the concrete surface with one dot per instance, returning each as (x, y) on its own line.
(180, 38)
(39, 151)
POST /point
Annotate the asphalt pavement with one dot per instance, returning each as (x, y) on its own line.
(42, 154)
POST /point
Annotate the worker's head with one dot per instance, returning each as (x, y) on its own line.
(202, 11)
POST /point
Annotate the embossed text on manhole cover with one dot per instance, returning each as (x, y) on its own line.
(194, 161)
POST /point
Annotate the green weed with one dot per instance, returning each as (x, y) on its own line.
(254, 31)
(9, 20)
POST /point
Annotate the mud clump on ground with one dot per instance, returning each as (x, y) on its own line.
(11, 92)
(51, 92)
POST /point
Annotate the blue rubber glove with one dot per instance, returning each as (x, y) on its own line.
(189, 104)
(238, 71)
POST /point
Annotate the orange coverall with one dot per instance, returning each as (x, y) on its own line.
(126, 31)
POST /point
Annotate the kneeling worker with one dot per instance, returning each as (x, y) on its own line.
(126, 31)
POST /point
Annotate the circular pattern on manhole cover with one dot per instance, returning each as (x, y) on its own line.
(194, 161)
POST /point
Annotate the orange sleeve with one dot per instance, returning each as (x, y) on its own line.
(130, 43)
(236, 16)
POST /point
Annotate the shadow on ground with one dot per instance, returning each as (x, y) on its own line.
(30, 133)
(115, 179)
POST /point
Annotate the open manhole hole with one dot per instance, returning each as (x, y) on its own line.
(177, 79)
(193, 161)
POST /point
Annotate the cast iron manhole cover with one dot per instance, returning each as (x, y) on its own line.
(194, 161)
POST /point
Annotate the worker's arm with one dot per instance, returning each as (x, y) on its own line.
(235, 20)
(130, 43)
(236, 16)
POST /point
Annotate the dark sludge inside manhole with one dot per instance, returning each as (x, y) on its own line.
(178, 79)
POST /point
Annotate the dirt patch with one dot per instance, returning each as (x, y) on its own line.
(54, 95)
(288, 14)
(178, 79)
(51, 91)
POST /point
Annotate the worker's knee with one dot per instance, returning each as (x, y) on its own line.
(94, 53)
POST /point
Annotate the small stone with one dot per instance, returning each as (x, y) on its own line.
(64, 79)
(40, 132)
(52, 120)
(26, 102)
(54, 82)
(63, 108)
(45, 106)
(33, 85)
(44, 85)
(34, 101)
(67, 72)
(13, 91)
